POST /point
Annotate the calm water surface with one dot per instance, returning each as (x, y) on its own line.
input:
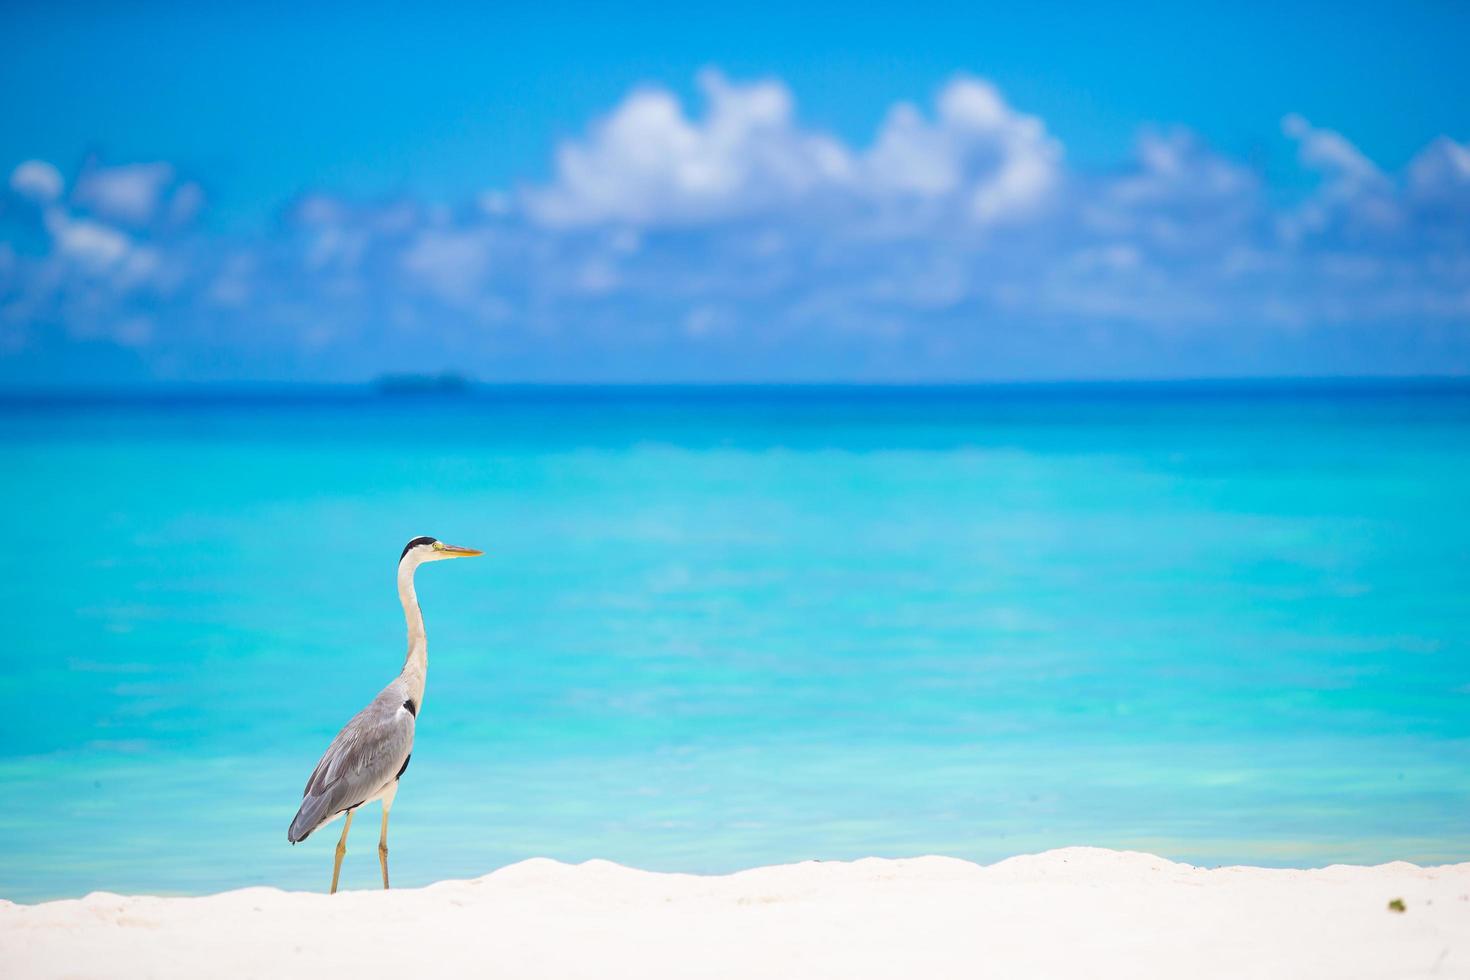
(719, 628)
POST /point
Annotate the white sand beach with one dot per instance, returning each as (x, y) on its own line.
(1079, 912)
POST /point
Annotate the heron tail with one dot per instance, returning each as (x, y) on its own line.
(308, 819)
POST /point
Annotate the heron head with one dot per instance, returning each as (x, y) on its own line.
(425, 548)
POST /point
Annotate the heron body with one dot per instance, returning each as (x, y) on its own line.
(371, 752)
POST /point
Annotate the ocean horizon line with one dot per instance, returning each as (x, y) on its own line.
(407, 387)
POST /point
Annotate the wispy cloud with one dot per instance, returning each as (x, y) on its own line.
(734, 241)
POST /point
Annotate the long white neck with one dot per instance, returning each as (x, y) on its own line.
(416, 664)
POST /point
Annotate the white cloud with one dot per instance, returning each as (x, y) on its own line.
(1439, 177)
(1329, 152)
(648, 163)
(996, 162)
(136, 194)
(1355, 196)
(37, 181)
(91, 244)
(1177, 196)
(1174, 168)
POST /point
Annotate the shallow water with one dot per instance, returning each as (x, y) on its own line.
(719, 628)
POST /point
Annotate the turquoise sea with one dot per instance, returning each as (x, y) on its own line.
(734, 626)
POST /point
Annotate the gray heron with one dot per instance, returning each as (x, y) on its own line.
(370, 753)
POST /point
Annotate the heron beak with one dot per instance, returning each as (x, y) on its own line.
(455, 551)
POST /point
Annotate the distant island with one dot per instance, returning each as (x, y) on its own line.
(447, 382)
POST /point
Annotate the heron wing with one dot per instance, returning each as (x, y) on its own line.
(369, 752)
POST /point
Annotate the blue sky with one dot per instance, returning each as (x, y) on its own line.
(573, 192)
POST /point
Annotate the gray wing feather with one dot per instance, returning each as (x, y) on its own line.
(369, 752)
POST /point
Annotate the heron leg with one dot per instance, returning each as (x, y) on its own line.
(383, 837)
(341, 850)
